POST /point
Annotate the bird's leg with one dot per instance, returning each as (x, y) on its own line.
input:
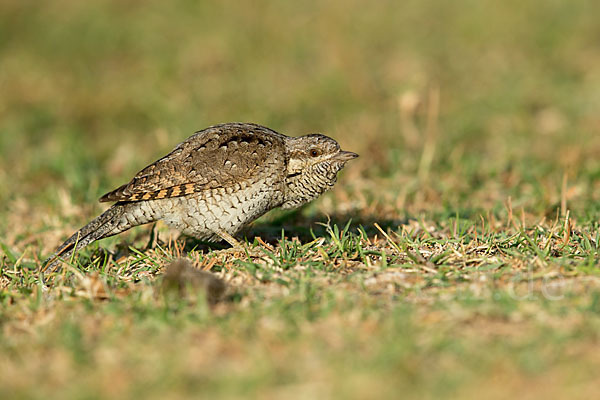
(153, 240)
(230, 239)
(236, 246)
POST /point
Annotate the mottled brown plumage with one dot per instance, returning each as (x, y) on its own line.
(215, 157)
(216, 182)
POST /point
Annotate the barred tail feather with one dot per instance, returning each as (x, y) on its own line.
(105, 225)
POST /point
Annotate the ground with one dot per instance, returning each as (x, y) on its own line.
(458, 256)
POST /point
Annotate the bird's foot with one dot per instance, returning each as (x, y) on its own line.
(237, 249)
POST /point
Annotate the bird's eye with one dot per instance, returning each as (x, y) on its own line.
(314, 152)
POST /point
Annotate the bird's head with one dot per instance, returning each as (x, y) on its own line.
(313, 163)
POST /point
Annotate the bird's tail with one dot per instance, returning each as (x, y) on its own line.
(107, 224)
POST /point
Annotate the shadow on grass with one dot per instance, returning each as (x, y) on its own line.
(288, 224)
(292, 224)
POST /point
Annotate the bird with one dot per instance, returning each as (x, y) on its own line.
(215, 183)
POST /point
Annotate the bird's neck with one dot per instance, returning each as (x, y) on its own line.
(305, 186)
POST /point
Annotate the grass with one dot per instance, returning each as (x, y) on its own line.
(457, 256)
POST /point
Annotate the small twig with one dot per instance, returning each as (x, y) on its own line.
(388, 238)
(567, 230)
(509, 220)
(563, 196)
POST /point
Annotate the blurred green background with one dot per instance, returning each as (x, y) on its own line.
(93, 91)
(454, 106)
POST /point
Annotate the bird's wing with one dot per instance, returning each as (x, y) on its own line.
(218, 156)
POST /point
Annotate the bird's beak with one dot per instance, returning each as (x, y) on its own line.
(345, 156)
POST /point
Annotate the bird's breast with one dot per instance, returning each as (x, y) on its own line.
(226, 209)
